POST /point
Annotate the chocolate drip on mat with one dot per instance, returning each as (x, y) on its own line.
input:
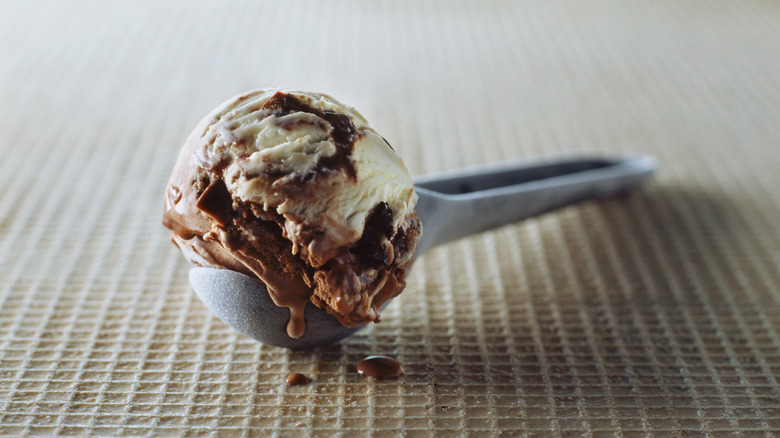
(380, 367)
(297, 379)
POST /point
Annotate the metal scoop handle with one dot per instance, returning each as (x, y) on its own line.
(467, 202)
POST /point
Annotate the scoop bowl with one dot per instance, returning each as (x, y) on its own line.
(451, 206)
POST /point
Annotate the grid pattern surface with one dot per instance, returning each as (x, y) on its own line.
(656, 312)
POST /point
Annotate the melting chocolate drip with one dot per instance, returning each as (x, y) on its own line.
(370, 249)
(380, 367)
(344, 133)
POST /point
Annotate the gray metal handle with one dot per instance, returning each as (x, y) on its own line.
(471, 201)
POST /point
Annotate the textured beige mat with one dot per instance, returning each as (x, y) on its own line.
(657, 312)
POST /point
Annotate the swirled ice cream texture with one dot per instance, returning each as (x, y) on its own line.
(297, 190)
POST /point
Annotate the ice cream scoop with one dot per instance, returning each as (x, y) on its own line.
(451, 206)
(295, 189)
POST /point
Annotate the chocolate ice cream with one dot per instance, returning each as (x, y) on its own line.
(296, 189)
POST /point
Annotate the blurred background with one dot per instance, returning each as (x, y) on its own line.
(654, 312)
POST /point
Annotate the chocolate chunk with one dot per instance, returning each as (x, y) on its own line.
(344, 132)
(380, 367)
(370, 249)
(297, 379)
(216, 202)
(285, 103)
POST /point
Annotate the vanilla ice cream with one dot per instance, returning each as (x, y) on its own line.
(298, 191)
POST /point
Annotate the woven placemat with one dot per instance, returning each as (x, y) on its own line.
(653, 313)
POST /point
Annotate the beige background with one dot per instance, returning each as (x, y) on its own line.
(658, 311)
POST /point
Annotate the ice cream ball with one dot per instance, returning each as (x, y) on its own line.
(295, 189)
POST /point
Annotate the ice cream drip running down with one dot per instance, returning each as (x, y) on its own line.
(296, 190)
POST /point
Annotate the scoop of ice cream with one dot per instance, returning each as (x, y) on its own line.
(297, 190)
